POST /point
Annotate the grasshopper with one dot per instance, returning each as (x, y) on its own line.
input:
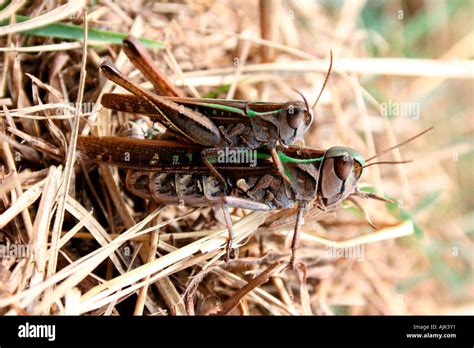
(212, 123)
(180, 173)
(170, 172)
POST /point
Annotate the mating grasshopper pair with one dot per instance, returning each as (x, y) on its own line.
(186, 171)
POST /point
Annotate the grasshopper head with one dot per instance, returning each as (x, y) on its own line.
(295, 119)
(340, 171)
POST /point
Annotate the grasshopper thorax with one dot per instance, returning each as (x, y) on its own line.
(340, 171)
(295, 119)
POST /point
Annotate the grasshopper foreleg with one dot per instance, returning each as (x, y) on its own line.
(366, 195)
(206, 156)
(279, 165)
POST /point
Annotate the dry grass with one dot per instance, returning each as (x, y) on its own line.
(94, 249)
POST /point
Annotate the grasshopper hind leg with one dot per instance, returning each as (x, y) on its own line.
(296, 235)
(229, 251)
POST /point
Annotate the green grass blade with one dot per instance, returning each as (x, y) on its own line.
(76, 32)
(4, 5)
(218, 91)
(426, 202)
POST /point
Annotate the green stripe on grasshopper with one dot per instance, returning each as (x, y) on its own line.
(287, 159)
(249, 113)
(225, 108)
(345, 151)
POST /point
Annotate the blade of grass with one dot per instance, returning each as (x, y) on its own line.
(76, 32)
(52, 16)
(10, 7)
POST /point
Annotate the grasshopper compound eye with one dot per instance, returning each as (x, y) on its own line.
(340, 171)
(295, 118)
(343, 166)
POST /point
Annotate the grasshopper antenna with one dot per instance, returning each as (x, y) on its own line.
(325, 80)
(302, 96)
(383, 152)
(387, 162)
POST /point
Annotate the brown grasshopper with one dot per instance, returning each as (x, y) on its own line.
(212, 123)
(170, 172)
